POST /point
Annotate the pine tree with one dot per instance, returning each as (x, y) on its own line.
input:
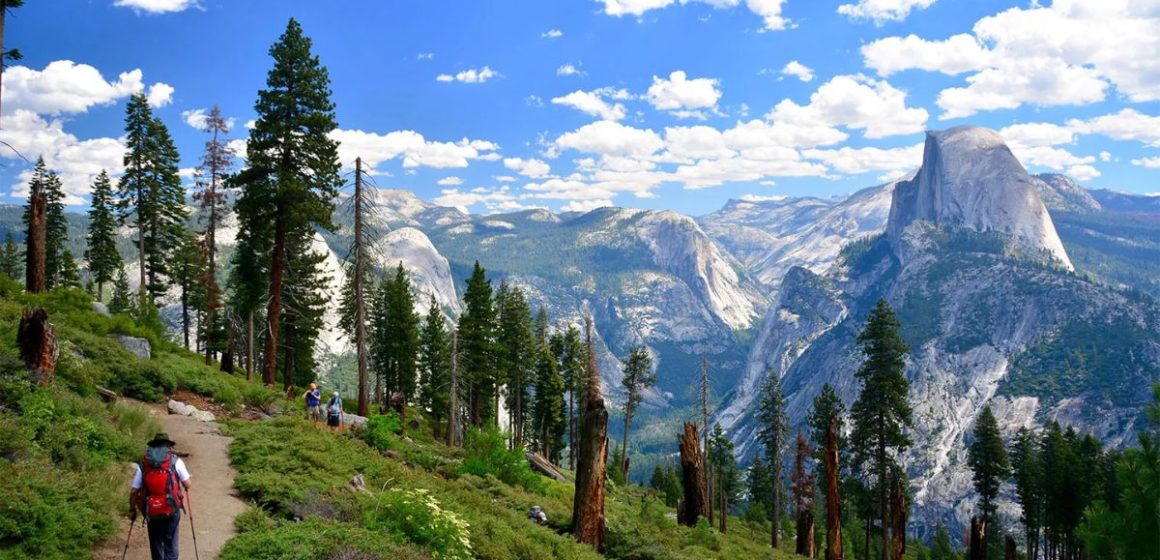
(305, 304)
(802, 489)
(435, 365)
(760, 482)
(827, 408)
(395, 335)
(1027, 470)
(987, 458)
(122, 300)
(638, 376)
(11, 260)
(571, 359)
(69, 275)
(881, 414)
(210, 194)
(291, 176)
(517, 354)
(187, 268)
(104, 259)
(773, 426)
(477, 360)
(46, 183)
(548, 415)
(727, 477)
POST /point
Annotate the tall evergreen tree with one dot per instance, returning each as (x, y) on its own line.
(1027, 470)
(728, 477)
(773, 426)
(395, 335)
(516, 345)
(210, 195)
(45, 182)
(548, 415)
(11, 260)
(150, 194)
(760, 488)
(305, 303)
(435, 365)
(802, 489)
(638, 376)
(987, 458)
(104, 259)
(187, 269)
(571, 360)
(940, 548)
(291, 177)
(881, 414)
(477, 352)
(827, 408)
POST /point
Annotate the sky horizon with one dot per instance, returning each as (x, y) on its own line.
(571, 105)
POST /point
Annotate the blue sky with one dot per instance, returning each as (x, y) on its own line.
(573, 104)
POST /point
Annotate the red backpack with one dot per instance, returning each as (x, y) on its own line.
(163, 496)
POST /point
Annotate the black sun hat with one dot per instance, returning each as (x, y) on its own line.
(160, 440)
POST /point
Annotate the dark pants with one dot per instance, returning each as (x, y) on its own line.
(163, 537)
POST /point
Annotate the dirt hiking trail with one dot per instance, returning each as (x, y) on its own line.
(214, 501)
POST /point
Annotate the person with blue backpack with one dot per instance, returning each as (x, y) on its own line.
(158, 492)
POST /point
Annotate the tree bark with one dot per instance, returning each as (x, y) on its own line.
(36, 339)
(695, 503)
(34, 276)
(360, 316)
(978, 542)
(274, 307)
(250, 348)
(1009, 548)
(833, 499)
(588, 504)
(805, 533)
(898, 515)
(453, 415)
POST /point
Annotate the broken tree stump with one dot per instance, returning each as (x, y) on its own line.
(107, 395)
(833, 499)
(35, 280)
(36, 338)
(696, 503)
(804, 544)
(588, 522)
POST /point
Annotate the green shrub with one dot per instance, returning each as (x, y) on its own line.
(316, 539)
(703, 536)
(382, 431)
(488, 454)
(415, 516)
(254, 519)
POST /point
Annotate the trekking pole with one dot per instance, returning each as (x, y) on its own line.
(126, 552)
(192, 529)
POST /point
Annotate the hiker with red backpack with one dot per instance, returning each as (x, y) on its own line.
(158, 492)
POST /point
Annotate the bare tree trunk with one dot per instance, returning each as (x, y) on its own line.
(274, 307)
(360, 327)
(623, 466)
(775, 525)
(833, 499)
(453, 416)
(978, 541)
(34, 275)
(571, 428)
(250, 348)
(36, 339)
(723, 501)
(696, 501)
(804, 544)
(1009, 548)
(588, 504)
(898, 515)
(705, 434)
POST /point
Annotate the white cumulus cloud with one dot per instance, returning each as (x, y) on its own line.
(592, 103)
(882, 11)
(470, 76)
(64, 86)
(856, 102)
(552, 34)
(798, 70)
(412, 147)
(528, 167)
(158, 6)
(679, 93)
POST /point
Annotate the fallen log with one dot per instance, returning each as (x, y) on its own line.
(544, 467)
(107, 395)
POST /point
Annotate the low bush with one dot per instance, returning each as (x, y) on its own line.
(488, 454)
(415, 516)
(317, 539)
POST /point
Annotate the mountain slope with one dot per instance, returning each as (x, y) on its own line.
(987, 317)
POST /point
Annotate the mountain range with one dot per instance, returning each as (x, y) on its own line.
(1029, 293)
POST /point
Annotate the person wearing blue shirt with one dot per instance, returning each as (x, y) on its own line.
(313, 398)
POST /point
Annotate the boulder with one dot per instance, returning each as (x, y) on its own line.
(101, 309)
(354, 420)
(202, 415)
(139, 347)
(180, 408)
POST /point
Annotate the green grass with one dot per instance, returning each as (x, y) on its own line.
(62, 450)
(292, 470)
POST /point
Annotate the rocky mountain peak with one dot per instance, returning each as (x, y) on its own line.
(970, 179)
(1060, 192)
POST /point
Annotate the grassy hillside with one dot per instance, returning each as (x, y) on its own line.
(63, 450)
